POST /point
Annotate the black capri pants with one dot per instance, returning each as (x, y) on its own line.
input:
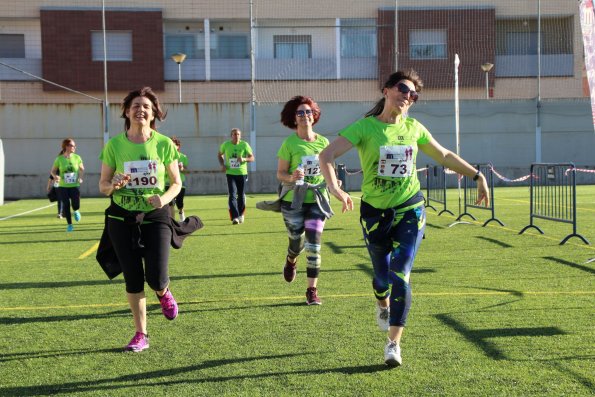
(132, 243)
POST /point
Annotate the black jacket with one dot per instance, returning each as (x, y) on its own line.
(106, 256)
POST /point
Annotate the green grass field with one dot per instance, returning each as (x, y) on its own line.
(494, 313)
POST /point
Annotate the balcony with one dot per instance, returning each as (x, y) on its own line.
(526, 65)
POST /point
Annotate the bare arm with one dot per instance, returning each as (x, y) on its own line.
(221, 160)
(250, 158)
(450, 160)
(283, 174)
(327, 166)
(107, 182)
(175, 185)
(53, 172)
(81, 172)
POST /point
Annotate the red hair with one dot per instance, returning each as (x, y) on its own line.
(288, 112)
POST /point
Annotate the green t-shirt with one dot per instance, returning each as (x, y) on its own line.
(144, 162)
(297, 151)
(387, 155)
(68, 169)
(183, 159)
(231, 153)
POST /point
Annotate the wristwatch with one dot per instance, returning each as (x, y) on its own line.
(476, 177)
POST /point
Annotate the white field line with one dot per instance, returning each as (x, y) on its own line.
(28, 212)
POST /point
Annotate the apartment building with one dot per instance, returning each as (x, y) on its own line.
(341, 49)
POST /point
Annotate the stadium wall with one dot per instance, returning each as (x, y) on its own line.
(498, 132)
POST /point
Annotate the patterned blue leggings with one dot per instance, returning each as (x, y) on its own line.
(393, 240)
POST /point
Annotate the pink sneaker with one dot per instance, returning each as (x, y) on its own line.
(169, 306)
(138, 343)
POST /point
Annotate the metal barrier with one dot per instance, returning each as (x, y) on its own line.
(436, 187)
(553, 196)
(470, 194)
(342, 176)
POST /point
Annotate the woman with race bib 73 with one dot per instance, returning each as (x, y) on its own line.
(392, 213)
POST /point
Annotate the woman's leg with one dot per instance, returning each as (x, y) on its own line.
(65, 203)
(130, 258)
(313, 225)
(407, 235)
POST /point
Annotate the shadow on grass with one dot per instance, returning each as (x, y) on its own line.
(431, 225)
(119, 280)
(53, 354)
(480, 337)
(570, 264)
(497, 242)
(67, 237)
(160, 377)
(49, 319)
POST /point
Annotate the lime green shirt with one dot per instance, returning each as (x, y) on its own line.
(297, 151)
(387, 155)
(68, 169)
(232, 153)
(183, 159)
(144, 162)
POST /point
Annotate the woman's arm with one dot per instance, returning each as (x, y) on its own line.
(452, 161)
(108, 182)
(283, 174)
(175, 185)
(327, 166)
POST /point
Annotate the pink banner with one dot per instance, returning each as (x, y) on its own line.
(588, 28)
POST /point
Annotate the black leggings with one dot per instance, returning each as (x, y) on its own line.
(66, 195)
(155, 240)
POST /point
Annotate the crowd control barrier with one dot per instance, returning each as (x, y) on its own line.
(436, 188)
(470, 194)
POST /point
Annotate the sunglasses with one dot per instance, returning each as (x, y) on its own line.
(404, 89)
(304, 113)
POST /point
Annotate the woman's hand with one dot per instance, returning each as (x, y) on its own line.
(155, 201)
(297, 175)
(120, 180)
(483, 192)
(343, 197)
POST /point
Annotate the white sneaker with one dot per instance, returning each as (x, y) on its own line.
(392, 354)
(182, 216)
(235, 221)
(241, 219)
(382, 317)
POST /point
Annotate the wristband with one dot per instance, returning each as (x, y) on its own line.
(476, 177)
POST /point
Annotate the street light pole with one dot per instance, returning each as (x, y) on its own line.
(179, 58)
(486, 67)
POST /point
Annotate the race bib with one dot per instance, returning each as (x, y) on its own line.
(395, 161)
(234, 163)
(70, 177)
(311, 165)
(143, 174)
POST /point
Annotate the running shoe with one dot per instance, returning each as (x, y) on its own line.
(235, 221)
(138, 343)
(241, 219)
(392, 354)
(289, 270)
(312, 297)
(182, 216)
(382, 316)
(69, 228)
(77, 216)
(169, 306)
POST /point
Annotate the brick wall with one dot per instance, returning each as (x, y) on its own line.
(470, 33)
(67, 57)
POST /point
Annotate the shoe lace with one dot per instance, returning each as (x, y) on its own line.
(167, 300)
(383, 314)
(137, 339)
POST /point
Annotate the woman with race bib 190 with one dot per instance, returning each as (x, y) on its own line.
(392, 213)
(134, 164)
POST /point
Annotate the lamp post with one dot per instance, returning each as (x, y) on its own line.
(486, 67)
(179, 58)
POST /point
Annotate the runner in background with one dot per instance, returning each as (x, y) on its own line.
(68, 170)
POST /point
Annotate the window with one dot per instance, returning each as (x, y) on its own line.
(12, 46)
(118, 44)
(184, 43)
(521, 43)
(427, 44)
(358, 38)
(292, 46)
(232, 47)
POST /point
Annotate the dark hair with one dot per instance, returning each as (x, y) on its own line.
(146, 92)
(288, 112)
(393, 80)
(65, 143)
(176, 140)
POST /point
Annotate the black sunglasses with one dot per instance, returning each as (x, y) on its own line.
(404, 89)
(303, 113)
